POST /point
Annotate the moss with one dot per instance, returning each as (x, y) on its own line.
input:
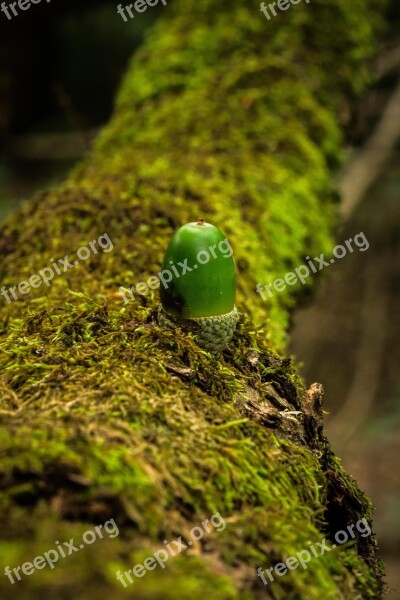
(104, 414)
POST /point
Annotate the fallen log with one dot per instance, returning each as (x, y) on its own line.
(110, 422)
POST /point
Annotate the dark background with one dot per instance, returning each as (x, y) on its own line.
(61, 64)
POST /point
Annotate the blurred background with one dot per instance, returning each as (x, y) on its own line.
(61, 64)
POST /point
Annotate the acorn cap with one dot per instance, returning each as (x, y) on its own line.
(203, 283)
(211, 333)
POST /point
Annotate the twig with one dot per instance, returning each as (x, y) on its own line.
(369, 357)
(369, 163)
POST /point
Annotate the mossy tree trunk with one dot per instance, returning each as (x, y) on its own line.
(104, 414)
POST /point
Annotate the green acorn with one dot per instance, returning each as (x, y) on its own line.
(198, 285)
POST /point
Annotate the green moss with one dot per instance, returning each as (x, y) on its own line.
(147, 441)
(104, 414)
